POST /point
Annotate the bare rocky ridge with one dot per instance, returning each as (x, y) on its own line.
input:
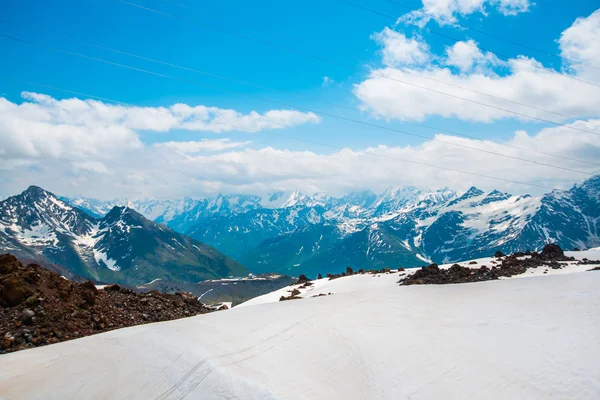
(39, 307)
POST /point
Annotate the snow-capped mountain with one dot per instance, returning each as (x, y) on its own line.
(410, 228)
(240, 233)
(290, 231)
(123, 246)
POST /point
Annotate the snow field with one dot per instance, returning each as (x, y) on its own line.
(518, 338)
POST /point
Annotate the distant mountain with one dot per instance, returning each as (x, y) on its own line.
(237, 234)
(292, 232)
(123, 246)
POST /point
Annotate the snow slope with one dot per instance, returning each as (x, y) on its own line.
(373, 282)
(519, 338)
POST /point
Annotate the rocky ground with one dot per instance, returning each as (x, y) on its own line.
(552, 256)
(39, 307)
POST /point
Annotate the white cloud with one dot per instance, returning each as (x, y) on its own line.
(91, 166)
(398, 50)
(447, 11)
(519, 82)
(202, 145)
(467, 56)
(31, 130)
(580, 43)
(43, 127)
(158, 171)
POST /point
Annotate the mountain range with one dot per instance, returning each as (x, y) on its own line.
(295, 233)
(121, 246)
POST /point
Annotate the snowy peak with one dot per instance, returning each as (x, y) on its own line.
(124, 217)
(495, 196)
(38, 210)
(296, 198)
(122, 247)
(469, 194)
(591, 187)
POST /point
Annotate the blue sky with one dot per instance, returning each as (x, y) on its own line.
(328, 28)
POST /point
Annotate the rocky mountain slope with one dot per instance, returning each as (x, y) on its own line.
(39, 307)
(123, 246)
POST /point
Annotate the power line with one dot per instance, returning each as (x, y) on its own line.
(375, 73)
(474, 46)
(326, 102)
(304, 108)
(324, 144)
(407, 72)
(470, 28)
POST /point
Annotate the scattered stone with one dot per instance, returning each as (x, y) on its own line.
(302, 280)
(284, 298)
(27, 316)
(499, 254)
(473, 263)
(585, 261)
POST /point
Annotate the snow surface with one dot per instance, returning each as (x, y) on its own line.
(519, 338)
(111, 264)
(372, 282)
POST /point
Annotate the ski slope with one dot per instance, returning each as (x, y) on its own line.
(517, 338)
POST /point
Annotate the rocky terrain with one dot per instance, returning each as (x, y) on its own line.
(552, 256)
(39, 307)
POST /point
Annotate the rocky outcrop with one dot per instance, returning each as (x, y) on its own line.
(39, 307)
(514, 264)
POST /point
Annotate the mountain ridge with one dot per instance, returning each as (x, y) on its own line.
(123, 246)
(440, 226)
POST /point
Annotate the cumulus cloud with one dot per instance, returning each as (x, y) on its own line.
(88, 136)
(447, 11)
(523, 80)
(158, 171)
(466, 56)
(580, 45)
(31, 130)
(398, 50)
(44, 127)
